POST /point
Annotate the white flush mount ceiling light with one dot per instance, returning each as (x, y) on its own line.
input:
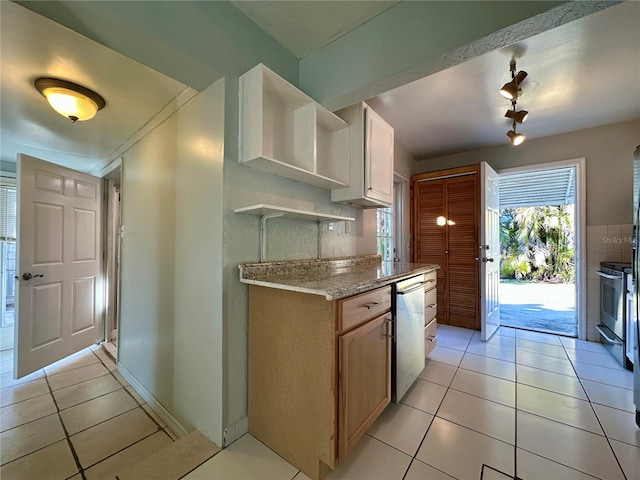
(69, 99)
(511, 90)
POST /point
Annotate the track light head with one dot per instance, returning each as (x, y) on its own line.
(510, 89)
(516, 138)
(518, 117)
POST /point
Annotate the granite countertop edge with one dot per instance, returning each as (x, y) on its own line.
(351, 279)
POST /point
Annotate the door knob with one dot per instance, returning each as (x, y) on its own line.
(484, 259)
(28, 276)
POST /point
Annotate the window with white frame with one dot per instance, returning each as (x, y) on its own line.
(8, 204)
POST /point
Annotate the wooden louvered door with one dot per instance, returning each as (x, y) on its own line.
(445, 226)
(430, 237)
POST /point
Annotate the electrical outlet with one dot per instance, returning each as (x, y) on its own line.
(347, 227)
(330, 226)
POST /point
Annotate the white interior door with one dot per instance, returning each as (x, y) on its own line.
(59, 312)
(489, 251)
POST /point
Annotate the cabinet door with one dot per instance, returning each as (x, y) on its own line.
(378, 157)
(365, 379)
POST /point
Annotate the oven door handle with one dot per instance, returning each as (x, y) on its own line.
(607, 337)
(610, 277)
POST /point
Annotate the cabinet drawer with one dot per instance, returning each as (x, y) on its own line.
(430, 280)
(430, 337)
(355, 310)
(430, 305)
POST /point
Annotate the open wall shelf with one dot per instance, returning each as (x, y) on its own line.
(266, 212)
(263, 210)
(285, 132)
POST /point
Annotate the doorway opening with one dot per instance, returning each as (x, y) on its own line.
(112, 229)
(538, 243)
(8, 205)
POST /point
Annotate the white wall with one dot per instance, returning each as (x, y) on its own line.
(198, 355)
(608, 151)
(171, 278)
(148, 261)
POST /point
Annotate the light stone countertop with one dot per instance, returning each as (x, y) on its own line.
(332, 278)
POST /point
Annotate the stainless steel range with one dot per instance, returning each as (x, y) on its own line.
(613, 318)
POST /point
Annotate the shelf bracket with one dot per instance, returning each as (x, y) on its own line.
(263, 233)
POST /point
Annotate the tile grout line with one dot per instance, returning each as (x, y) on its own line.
(120, 451)
(66, 432)
(434, 415)
(598, 419)
(573, 426)
(124, 387)
(515, 402)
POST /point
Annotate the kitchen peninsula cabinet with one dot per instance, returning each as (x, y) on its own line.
(319, 372)
(371, 167)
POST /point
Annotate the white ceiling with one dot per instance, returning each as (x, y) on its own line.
(33, 46)
(582, 74)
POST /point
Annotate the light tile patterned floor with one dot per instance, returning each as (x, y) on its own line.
(77, 418)
(524, 404)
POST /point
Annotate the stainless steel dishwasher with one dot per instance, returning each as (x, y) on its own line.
(408, 351)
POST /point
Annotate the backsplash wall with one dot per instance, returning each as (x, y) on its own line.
(604, 243)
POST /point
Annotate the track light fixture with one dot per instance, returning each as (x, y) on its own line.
(511, 90)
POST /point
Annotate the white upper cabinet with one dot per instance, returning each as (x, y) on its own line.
(371, 172)
(285, 132)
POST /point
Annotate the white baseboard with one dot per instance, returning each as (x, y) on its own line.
(234, 431)
(175, 426)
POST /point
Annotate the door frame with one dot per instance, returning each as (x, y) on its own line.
(400, 218)
(115, 168)
(580, 226)
(7, 179)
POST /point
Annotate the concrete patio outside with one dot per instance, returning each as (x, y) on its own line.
(545, 307)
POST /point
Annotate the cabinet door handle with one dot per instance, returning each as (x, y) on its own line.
(433, 305)
(389, 323)
(373, 305)
(432, 338)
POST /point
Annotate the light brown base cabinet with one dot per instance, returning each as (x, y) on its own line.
(319, 372)
(430, 312)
